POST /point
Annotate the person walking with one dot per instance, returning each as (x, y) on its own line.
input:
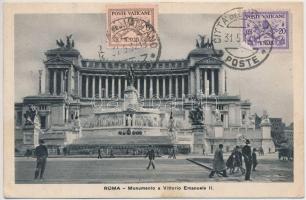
(238, 160)
(65, 151)
(170, 153)
(151, 155)
(58, 151)
(254, 159)
(99, 153)
(218, 163)
(173, 153)
(41, 153)
(247, 155)
(230, 163)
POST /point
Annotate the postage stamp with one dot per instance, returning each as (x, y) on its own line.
(255, 25)
(227, 36)
(131, 26)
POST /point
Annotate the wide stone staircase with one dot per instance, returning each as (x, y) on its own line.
(124, 140)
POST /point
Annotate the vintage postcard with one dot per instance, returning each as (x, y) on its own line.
(153, 100)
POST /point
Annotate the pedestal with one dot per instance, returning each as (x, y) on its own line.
(218, 130)
(130, 97)
(267, 143)
(198, 139)
(30, 136)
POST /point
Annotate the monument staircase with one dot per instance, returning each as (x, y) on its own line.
(100, 139)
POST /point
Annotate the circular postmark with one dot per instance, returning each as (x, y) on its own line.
(133, 39)
(236, 32)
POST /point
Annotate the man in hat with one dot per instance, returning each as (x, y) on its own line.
(218, 163)
(41, 153)
(151, 155)
(247, 154)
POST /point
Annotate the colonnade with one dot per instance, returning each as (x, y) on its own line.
(148, 86)
(205, 81)
(57, 83)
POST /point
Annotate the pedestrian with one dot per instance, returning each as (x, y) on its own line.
(238, 160)
(247, 155)
(170, 153)
(28, 153)
(230, 163)
(58, 151)
(151, 155)
(218, 163)
(65, 151)
(173, 153)
(111, 154)
(41, 153)
(99, 153)
(254, 159)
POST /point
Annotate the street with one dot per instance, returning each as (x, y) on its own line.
(133, 170)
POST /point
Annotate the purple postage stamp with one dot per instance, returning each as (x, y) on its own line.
(257, 26)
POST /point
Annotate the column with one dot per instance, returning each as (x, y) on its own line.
(220, 83)
(176, 87)
(62, 82)
(192, 82)
(151, 87)
(47, 81)
(86, 88)
(217, 82)
(157, 86)
(212, 82)
(170, 86)
(100, 87)
(125, 83)
(188, 83)
(80, 84)
(54, 82)
(119, 87)
(164, 86)
(225, 82)
(93, 87)
(138, 85)
(106, 86)
(183, 85)
(144, 87)
(113, 86)
(206, 85)
(197, 74)
(69, 82)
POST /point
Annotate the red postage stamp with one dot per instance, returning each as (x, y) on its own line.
(132, 26)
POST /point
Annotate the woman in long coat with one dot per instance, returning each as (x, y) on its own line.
(218, 163)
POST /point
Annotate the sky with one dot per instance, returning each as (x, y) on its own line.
(268, 86)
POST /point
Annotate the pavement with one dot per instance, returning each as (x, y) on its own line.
(269, 169)
(190, 168)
